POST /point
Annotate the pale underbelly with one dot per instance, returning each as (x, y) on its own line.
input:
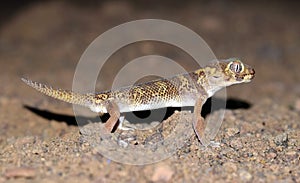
(123, 107)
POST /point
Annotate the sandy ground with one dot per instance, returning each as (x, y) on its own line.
(259, 138)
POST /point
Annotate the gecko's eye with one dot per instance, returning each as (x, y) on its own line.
(236, 67)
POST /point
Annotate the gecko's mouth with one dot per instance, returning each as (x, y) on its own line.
(246, 77)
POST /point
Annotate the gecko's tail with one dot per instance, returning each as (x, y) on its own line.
(64, 95)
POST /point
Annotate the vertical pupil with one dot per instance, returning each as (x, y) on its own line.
(237, 68)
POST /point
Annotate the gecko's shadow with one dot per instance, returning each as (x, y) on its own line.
(214, 104)
(69, 119)
(211, 105)
(143, 116)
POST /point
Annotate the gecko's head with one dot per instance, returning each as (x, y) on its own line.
(231, 71)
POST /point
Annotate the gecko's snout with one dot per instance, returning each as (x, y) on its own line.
(252, 72)
(249, 75)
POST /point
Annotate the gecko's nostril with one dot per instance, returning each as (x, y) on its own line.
(252, 72)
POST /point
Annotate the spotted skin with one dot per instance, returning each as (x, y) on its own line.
(188, 89)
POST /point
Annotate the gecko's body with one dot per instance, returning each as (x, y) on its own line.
(188, 89)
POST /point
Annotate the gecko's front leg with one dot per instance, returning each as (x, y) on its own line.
(199, 123)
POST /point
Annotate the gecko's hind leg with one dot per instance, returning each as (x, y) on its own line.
(114, 113)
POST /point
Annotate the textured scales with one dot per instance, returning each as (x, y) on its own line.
(188, 89)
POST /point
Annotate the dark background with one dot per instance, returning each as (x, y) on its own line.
(43, 40)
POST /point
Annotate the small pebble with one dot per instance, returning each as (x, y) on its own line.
(297, 105)
(281, 139)
(122, 143)
(237, 144)
(232, 131)
(230, 167)
(291, 153)
(271, 155)
(162, 173)
(24, 140)
(245, 175)
(24, 172)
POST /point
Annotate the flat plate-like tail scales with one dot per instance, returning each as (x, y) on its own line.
(64, 95)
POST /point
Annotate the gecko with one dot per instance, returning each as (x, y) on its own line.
(186, 89)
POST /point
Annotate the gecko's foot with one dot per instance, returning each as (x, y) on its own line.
(199, 128)
(124, 127)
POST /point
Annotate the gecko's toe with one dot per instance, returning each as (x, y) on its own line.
(123, 126)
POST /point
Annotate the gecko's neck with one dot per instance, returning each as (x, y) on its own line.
(211, 79)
